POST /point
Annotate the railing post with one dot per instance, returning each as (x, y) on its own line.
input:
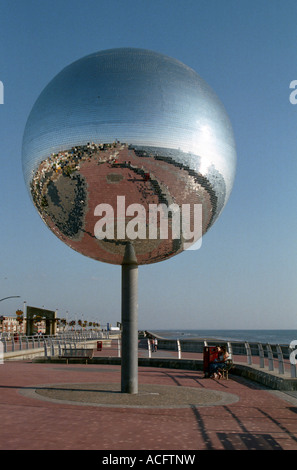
(119, 347)
(292, 356)
(270, 357)
(149, 348)
(59, 348)
(248, 353)
(261, 355)
(293, 370)
(45, 347)
(178, 349)
(230, 351)
(280, 357)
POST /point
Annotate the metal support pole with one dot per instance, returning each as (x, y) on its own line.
(129, 369)
(261, 355)
(248, 353)
(230, 350)
(178, 349)
(149, 347)
(270, 357)
(281, 367)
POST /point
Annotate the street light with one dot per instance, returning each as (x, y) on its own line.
(10, 297)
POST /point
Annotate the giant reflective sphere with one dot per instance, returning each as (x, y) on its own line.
(121, 141)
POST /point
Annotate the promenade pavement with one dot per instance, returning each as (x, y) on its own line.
(55, 406)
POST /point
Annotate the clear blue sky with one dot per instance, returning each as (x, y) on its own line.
(245, 274)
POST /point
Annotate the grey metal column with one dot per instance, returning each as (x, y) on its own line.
(129, 369)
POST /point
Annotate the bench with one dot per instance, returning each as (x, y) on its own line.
(225, 370)
(77, 353)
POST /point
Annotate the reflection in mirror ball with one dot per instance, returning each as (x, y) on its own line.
(122, 127)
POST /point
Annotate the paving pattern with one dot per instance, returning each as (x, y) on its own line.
(255, 417)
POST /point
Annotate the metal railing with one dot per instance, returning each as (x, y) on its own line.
(274, 357)
(23, 342)
(54, 346)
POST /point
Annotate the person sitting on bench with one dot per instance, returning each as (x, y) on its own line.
(219, 363)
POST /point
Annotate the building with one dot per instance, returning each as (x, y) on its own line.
(10, 324)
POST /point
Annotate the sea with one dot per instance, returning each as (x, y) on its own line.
(252, 336)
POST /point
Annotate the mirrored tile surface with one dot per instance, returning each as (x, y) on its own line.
(127, 127)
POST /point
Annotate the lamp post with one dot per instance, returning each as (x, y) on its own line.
(10, 297)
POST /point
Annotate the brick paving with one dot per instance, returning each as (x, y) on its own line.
(259, 419)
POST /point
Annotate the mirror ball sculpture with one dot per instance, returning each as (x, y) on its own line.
(124, 129)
